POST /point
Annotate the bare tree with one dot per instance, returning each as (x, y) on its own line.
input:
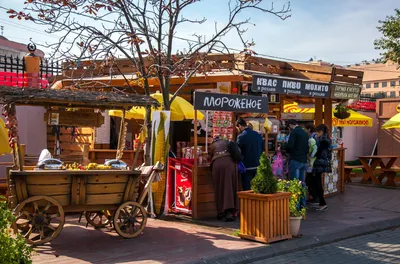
(142, 31)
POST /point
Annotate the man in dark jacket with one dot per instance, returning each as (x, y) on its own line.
(297, 147)
(251, 146)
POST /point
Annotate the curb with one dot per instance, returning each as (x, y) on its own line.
(292, 245)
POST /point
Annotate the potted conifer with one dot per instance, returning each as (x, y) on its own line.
(264, 212)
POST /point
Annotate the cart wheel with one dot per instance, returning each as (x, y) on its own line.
(130, 219)
(39, 219)
(99, 219)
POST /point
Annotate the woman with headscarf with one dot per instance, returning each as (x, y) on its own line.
(322, 163)
(225, 179)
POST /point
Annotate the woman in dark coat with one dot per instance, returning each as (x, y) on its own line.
(225, 179)
(323, 163)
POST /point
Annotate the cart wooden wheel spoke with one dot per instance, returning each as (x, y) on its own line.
(130, 219)
(22, 221)
(98, 219)
(35, 223)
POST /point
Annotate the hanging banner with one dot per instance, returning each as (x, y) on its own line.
(343, 91)
(291, 86)
(230, 103)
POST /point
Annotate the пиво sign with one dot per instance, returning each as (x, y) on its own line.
(230, 103)
(281, 85)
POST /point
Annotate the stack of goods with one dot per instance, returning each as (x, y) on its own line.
(188, 153)
(222, 125)
(180, 145)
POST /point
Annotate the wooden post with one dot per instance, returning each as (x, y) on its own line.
(120, 136)
(194, 180)
(318, 111)
(328, 114)
(23, 151)
(85, 154)
(137, 151)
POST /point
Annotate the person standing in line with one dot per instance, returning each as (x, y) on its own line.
(225, 179)
(310, 177)
(251, 145)
(323, 163)
(297, 147)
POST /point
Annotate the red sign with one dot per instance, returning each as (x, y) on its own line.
(179, 187)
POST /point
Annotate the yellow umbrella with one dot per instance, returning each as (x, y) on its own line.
(180, 110)
(4, 147)
(393, 122)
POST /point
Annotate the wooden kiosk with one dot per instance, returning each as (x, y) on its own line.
(322, 94)
(40, 198)
(237, 70)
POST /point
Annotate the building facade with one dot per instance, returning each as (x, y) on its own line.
(381, 80)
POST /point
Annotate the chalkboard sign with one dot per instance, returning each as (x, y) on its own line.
(230, 103)
(343, 91)
(283, 85)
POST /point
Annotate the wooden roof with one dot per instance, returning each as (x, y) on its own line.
(73, 98)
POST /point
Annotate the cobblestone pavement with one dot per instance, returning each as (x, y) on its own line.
(382, 247)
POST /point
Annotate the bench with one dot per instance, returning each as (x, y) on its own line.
(348, 170)
(390, 174)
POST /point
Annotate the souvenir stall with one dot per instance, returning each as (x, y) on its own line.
(41, 195)
(195, 173)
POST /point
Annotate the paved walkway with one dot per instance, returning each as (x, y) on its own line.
(382, 247)
(359, 210)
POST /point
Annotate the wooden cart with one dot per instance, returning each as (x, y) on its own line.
(40, 198)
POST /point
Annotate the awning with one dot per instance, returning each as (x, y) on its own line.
(291, 111)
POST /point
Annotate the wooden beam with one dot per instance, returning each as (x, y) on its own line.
(328, 114)
(318, 111)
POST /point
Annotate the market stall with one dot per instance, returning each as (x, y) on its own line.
(42, 194)
(195, 174)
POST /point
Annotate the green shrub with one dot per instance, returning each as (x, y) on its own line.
(13, 248)
(264, 182)
(297, 193)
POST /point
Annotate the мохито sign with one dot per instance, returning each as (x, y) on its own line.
(230, 103)
(284, 85)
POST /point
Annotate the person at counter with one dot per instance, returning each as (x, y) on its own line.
(251, 145)
(225, 179)
(297, 147)
(323, 163)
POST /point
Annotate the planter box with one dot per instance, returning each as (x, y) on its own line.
(264, 217)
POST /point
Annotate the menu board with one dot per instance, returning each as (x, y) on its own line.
(222, 125)
(285, 85)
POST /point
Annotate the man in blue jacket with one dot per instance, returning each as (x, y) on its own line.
(251, 146)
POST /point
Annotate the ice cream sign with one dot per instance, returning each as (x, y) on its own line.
(284, 85)
(230, 103)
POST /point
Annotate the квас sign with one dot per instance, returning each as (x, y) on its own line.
(230, 103)
(284, 85)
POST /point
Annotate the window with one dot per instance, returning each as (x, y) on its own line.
(368, 85)
(384, 84)
(376, 85)
(392, 94)
(392, 83)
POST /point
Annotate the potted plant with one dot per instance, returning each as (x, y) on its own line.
(264, 212)
(341, 112)
(297, 192)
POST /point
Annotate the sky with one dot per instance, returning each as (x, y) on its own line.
(336, 31)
